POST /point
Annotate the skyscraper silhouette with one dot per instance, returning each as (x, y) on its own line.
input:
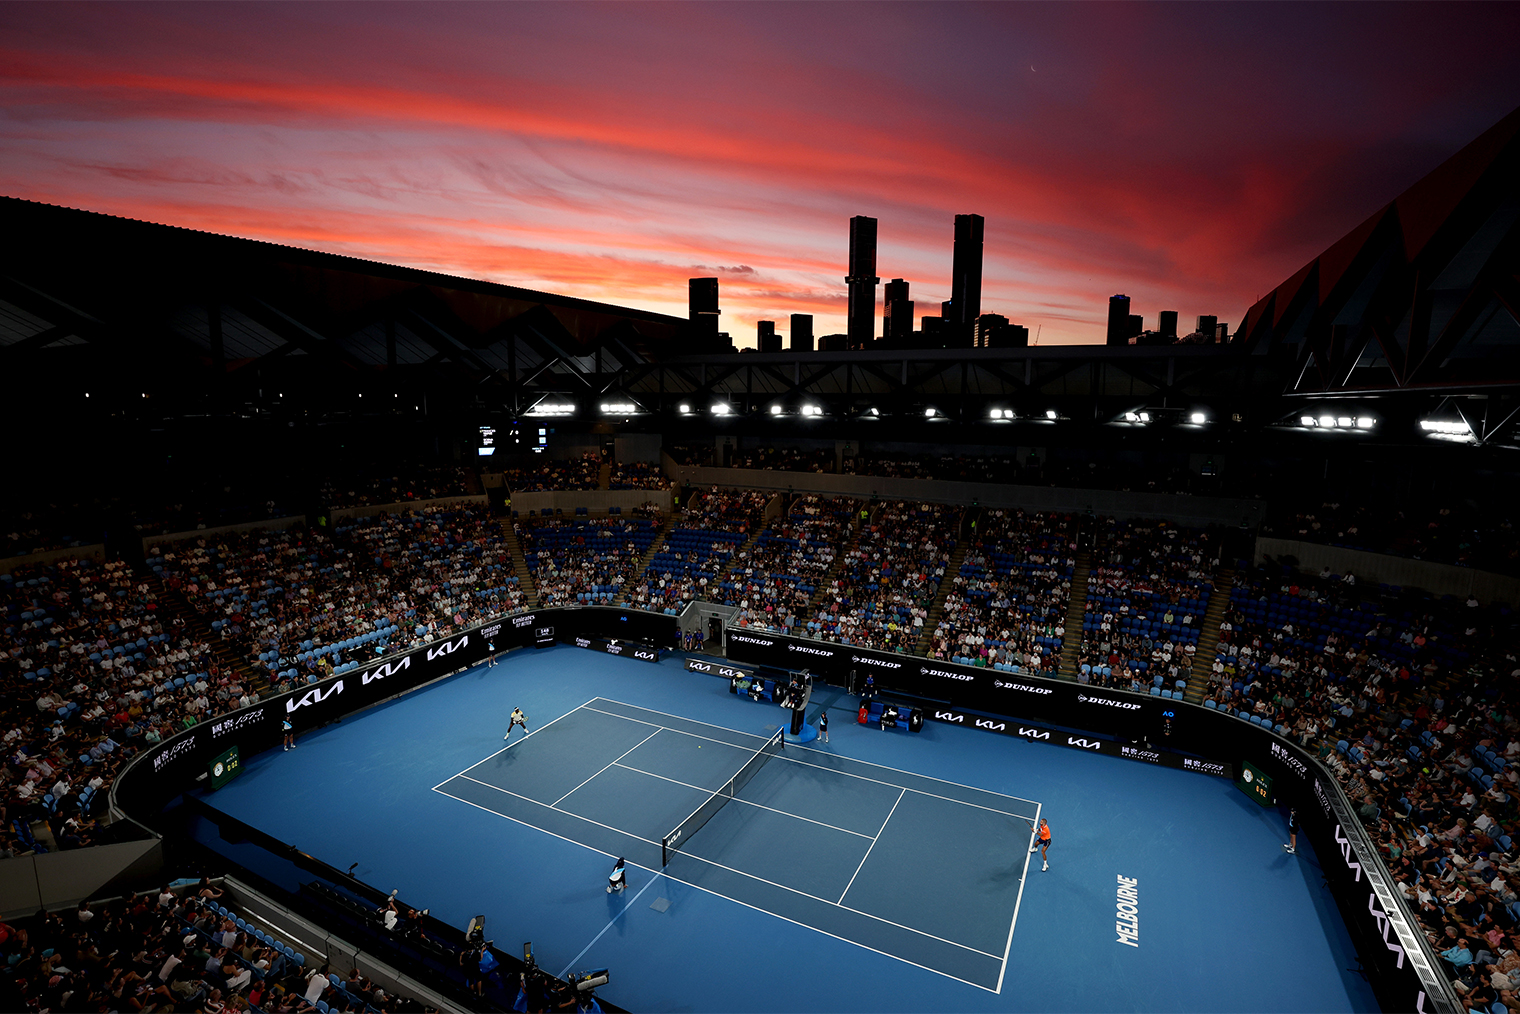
(702, 304)
(862, 281)
(897, 316)
(1118, 320)
(766, 338)
(966, 275)
(1167, 324)
(802, 332)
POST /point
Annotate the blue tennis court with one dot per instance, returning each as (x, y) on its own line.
(760, 913)
(926, 871)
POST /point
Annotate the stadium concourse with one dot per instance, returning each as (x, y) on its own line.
(1403, 695)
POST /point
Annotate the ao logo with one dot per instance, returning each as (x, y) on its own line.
(447, 647)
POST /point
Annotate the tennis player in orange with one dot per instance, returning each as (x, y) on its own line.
(1042, 845)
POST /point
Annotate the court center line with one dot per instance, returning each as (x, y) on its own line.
(746, 802)
(576, 960)
(716, 894)
(509, 746)
(1019, 900)
(604, 767)
(730, 869)
(863, 858)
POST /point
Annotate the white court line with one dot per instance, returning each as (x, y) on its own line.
(604, 767)
(1018, 901)
(820, 767)
(746, 802)
(915, 774)
(575, 960)
(921, 792)
(657, 725)
(863, 858)
(715, 894)
(667, 714)
(509, 746)
(712, 862)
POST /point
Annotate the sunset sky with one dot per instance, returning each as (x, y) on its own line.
(1190, 155)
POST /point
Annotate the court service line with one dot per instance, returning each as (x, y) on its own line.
(604, 767)
(730, 869)
(736, 799)
(863, 858)
(639, 721)
(724, 897)
(576, 960)
(1018, 901)
(509, 746)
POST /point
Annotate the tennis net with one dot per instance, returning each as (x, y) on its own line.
(672, 842)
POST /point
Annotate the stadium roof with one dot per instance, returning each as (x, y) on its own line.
(1424, 296)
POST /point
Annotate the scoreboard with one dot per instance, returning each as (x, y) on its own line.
(225, 767)
(1255, 784)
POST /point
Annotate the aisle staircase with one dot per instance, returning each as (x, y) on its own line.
(1076, 608)
(937, 607)
(519, 563)
(654, 547)
(199, 629)
(1208, 641)
(850, 544)
(604, 476)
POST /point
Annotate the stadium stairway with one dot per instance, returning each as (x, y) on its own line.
(654, 547)
(1076, 607)
(957, 557)
(519, 563)
(179, 607)
(604, 475)
(1208, 641)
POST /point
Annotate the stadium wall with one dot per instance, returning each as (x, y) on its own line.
(1195, 510)
(1379, 568)
(1400, 966)
(95, 551)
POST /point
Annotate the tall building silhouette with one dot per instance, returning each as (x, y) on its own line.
(1118, 320)
(1208, 326)
(966, 275)
(702, 303)
(862, 281)
(802, 332)
(897, 316)
(1167, 324)
(766, 338)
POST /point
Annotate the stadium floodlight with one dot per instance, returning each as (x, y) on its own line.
(875, 412)
(619, 407)
(1327, 421)
(812, 410)
(930, 413)
(775, 410)
(1344, 422)
(1198, 418)
(1446, 427)
(1131, 417)
(721, 408)
(1052, 414)
(1145, 417)
(551, 409)
(1306, 420)
(685, 408)
(1365, 422)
